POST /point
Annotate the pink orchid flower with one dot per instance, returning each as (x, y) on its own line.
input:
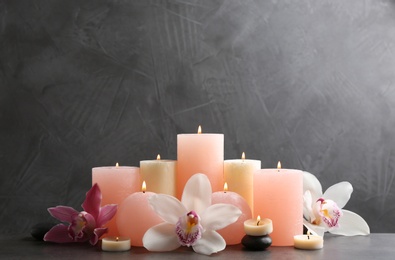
(85, 225)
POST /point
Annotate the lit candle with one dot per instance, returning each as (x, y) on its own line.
(116, 183)
(234, 232)
(200, 153)
(279, 194)
(258, 227)
(160, 174)
(135, 216)
(115, 244)
(309, 241)
(239, 174)
(257, 234)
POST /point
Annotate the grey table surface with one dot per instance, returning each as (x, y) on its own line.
(374, 246)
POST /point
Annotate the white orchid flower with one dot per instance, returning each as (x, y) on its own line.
(323, 212)
(191, 222)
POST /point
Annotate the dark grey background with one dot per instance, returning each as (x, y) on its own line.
(90, 83)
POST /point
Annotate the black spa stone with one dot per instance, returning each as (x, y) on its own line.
(256, 243)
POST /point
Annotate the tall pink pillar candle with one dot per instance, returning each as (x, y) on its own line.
(116, 183)
(135, 216)
(234, 232)
(200, 153)
(278, 195)
(239, 175)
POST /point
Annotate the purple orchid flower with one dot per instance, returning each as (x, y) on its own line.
(85, 225)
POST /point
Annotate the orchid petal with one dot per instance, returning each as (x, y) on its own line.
(106, 214)
(310, 182)
(97, 233)
(339, 192)
(314, 229)
(197, 193)
(211, 242)
(63, 213)
(167, 207)
(58, 234)
(351, 224)
(307, 206)
(220, 215)
(92, 201)
(161, 237)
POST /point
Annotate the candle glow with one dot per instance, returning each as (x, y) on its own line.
(143, 187)
(243, 156)
(158, 157)
(199, 129)
(225, 187)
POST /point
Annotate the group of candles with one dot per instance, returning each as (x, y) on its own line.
(275, 194)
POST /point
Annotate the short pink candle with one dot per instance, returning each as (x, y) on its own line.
(200, 153)
(278, 195)
(135, 216)
(116, 183)
(234, 232)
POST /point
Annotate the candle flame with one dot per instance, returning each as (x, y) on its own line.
(243, 156)
(117, 165)
(279, 166)
(225, 187)
(199, 129)
(116, 239)
(143, 187)
(258, 219)
(308, 234)
(158, 157)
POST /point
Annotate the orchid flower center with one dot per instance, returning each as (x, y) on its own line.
(188, 229)
(329, 212)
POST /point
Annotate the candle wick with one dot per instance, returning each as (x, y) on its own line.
(308, 236)
(258, 223)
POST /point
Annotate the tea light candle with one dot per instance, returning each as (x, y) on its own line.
(135, 216)
(258, 227)
(257, 231)
(234, 232)
(308, 242)
(115, 244)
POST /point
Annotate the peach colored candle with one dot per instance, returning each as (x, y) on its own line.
(116, 183)
(278, 196)
(135, 216)
(235, 231)
(239, 175)
(160, 174)
(200, 153)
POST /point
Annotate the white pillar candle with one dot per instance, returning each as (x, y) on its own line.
(160, 174)
(115, 244)
(239, 174)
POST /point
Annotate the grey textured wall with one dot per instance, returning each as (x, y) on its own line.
(90, 83)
